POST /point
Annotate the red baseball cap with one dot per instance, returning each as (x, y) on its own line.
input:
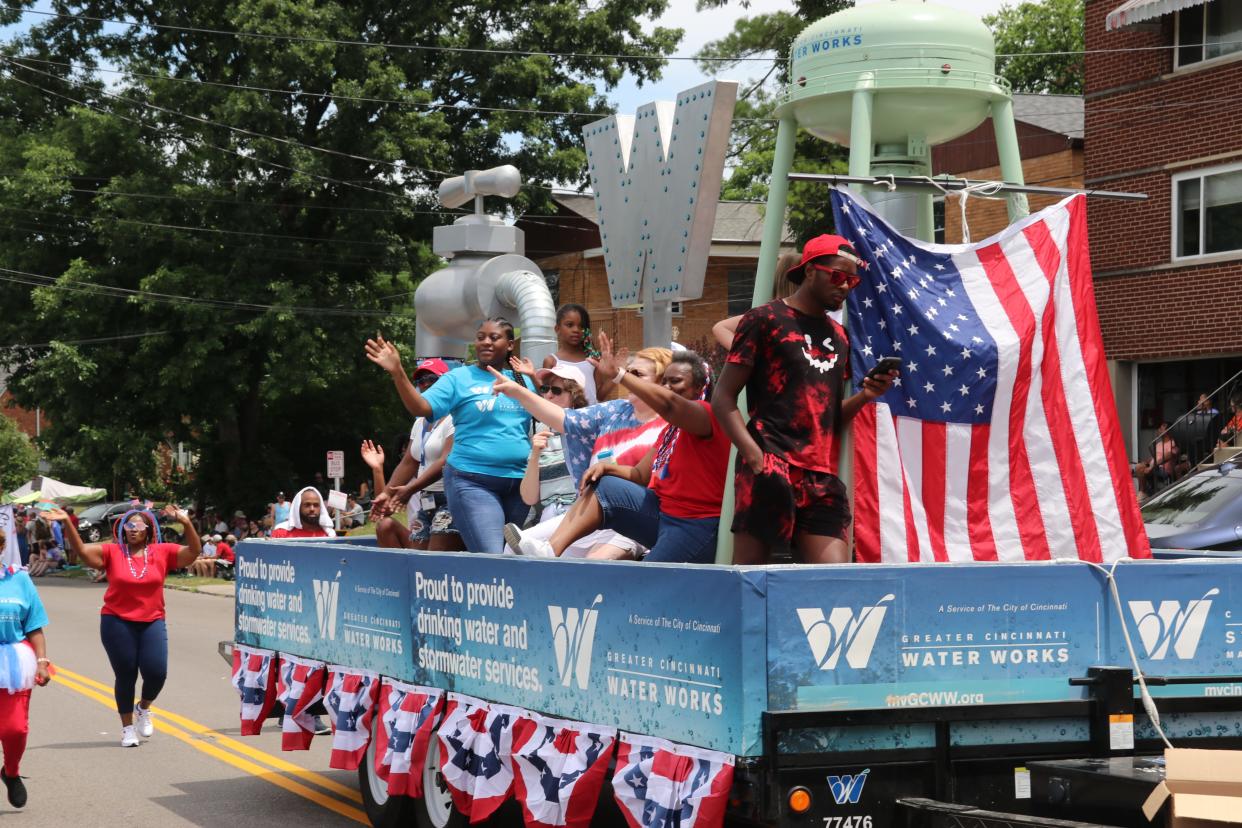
(435, 366)
(819, 247)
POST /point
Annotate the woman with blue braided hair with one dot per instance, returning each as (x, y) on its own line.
(131, 622)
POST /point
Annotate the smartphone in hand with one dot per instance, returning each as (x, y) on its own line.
(884, 366)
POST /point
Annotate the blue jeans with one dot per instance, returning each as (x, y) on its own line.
(481, 505)
(634, 511)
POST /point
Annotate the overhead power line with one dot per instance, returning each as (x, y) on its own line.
(406, 47)
(38, 280)
(417, 47)
(199, 141)
(239, 130)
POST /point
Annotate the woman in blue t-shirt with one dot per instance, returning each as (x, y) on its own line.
(23, 664)
(483, 474)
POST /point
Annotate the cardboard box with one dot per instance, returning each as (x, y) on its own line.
(1205, 786)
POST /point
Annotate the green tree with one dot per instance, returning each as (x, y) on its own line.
(282, 182)
(754, 130)
(1044, 43)
(18, 458)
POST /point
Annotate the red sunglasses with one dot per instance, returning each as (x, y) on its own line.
(838, 277)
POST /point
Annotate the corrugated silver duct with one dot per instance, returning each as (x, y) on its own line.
(527, 293)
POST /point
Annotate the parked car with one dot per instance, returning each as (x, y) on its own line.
(1202, 511)
(95, 521)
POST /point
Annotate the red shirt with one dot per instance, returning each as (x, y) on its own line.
(225, 552)
(317, 532)
(692, 484)
(137, 599)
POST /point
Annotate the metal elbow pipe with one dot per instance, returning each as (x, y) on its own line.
(528, 294)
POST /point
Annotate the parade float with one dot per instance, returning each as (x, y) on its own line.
(988, 687)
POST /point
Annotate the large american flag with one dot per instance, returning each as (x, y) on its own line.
(1001, 441)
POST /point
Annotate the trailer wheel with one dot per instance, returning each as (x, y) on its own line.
(435, 809)
(383, 810)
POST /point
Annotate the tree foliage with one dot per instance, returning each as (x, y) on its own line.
(282, 181)
(1044, 42)
(18, 458)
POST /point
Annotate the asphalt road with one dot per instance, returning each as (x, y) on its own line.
(196, 769)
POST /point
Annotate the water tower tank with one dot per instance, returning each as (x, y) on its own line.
(930, 68)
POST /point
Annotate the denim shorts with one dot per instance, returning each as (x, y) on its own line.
(634, 511)
(435, 521)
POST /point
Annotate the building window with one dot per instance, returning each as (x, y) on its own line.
(1209, 31)
(1207, 212)
(938, 220)
(741, 287)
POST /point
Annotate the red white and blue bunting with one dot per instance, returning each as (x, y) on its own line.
(407, 719)
(658, 783)
(301, 685)
(254, 677)
(556, 768)
(350, 698)
(559, 770)
(476, 754)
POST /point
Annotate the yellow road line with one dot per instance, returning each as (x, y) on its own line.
(275, 778)
(239, 747)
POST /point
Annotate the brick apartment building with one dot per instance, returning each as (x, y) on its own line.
(30, 422)
(1162, 118)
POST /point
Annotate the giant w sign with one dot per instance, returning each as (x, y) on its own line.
(656, 177)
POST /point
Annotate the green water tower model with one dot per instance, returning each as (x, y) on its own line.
(890, 81)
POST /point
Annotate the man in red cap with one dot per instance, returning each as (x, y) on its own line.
(793, 359)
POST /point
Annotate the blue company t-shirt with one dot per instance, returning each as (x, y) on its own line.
(490, 430)
(21, 611)
(583, 426)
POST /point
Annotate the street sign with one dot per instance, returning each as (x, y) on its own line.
(336, 464)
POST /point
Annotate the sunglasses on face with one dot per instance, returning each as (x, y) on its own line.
(634, 372)
(136, 527)
(555, 390)
(837, 277)
(425, 381)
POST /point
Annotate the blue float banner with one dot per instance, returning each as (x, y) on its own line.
(335, 602)
(658, 649)
(933, 635)
(696, 654)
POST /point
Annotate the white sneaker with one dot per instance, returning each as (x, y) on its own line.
(129, 737)
(513, 537)
(143, 722)
(535, 548)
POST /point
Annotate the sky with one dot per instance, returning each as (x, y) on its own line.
(701, 28)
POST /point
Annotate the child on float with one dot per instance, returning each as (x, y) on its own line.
(574, 347)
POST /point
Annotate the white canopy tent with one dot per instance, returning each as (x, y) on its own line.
(45, 488)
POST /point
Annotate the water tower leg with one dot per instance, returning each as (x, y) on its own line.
(860, 129)
(769, 249)
(774, 215)
(1010, 158)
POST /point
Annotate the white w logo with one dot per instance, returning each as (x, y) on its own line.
(843, 631)
(326, 595)
(485, 405)
(573, 637)
(1170, 624)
